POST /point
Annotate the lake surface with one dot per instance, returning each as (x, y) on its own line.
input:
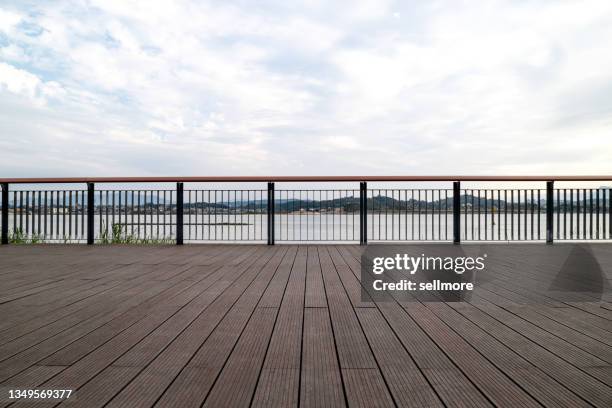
(307, 227)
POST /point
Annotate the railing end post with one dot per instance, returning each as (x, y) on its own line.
(90, 213)
(550, 211)
(179, 213)
(363, 213)
(271, 214)
(5, 208)
(456, 212)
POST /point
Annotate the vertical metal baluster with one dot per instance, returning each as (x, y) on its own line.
(578, 213)
(412, 213)
(420, 212)
(392, 215)
(597, 213)
(106, 218)
(404, 212)
(59, 214)
(51, 229)
(346, 219)
(221, 224)
(377, 205)
(446, 215)
(273, 224)
(609, 213)
(591, 213)
(429, 220)
(132, 213)
(145, 220)
(571, 216)
(557, 226)
(472, 214)
(32, 213)
(603, 213)
(83, 207)
(384, 207)
(110, 220)
(208, 215)
(539, 212)
(564, 213)
(64, 214)
(80, 203)
(506, 215)
(465, 212)
(579, 223)
(157, 193)
(54, 229)
(486, 214)
(39, 213)
(525, 200)
(150, 219)
(188, 208)
(100, 221)
(345, 209)
(432, 213)
(70, 214)
(439, 215)
(353, 211)
(138, 212)
(195, 224)
(229, 216)
(531, 214)
(499, 209)
(120, 206)
(479, 226)
(493, 206)
(321, 214)
(15, 211)
(46, 208)
(173, 221)
(214, 215)
(490, 202)
(27, 213)
(165, 207)
(584, 207)
(518, 214)
(334, 215)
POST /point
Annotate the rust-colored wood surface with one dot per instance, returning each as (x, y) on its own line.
(318, 179)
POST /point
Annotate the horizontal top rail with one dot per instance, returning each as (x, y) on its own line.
(220, 179)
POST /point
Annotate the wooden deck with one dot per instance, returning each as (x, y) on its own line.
(246, 325)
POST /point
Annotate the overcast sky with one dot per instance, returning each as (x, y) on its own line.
(118, 87)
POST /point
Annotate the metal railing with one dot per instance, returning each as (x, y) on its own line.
(178, 215)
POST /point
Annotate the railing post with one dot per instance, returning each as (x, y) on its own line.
(90, 213)
(456, 212)
(5, 208)
(270, 213)
(549, 211)
(363, 213)
(179, 214)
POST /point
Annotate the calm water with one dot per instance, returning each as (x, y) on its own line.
(308, 227)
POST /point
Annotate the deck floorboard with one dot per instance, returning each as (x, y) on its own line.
(286, 326)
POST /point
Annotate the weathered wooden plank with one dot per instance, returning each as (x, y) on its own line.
(321, 382)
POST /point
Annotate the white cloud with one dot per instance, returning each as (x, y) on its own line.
(189, 87)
